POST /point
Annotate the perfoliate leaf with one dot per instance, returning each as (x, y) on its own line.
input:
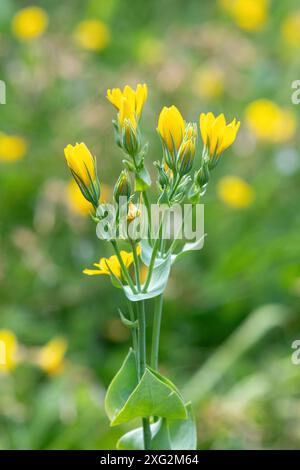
(142, 180)
(121, 386)
(153, 396)
(165, 435)
(157, 284)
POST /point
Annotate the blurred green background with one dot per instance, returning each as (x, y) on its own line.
(231, 310)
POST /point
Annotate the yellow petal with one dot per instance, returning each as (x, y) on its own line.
(115, 97)
(81, 162)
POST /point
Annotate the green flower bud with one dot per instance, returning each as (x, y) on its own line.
(122, 186)
(130, 137)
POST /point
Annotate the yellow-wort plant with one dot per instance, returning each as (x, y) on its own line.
(141, 270)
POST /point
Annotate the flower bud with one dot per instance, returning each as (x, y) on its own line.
(186, 156)
(202, 176)
(83, 168)
(130, 138)
(122, 187)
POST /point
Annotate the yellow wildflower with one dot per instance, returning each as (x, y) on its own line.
(29, 23)
(92, 35)
(171, 127)
(8, 351)
(128, 102)
(112, 264)
(217, 136)
(290, 29)
(12, 147)
(269, 122)
(51, 357)
(81, 162)
(235, 192)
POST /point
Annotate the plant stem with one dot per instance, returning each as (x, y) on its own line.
(135, 342)
(123, 267)
(142, 360)
(136, 265)
(147, 204)
(156, 331)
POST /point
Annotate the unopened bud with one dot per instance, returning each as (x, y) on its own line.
(131, 141)
(122, 187)
(186, 156)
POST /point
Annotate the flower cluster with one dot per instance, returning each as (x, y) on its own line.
(179, 142)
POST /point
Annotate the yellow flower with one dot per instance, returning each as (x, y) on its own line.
(12, 147)
(235, 192)
(217, 136)
(51, 357)
(269, 122)
(127, 115)
(250, 15)
(8, 351)
(81, 162)
(29, 23)
(106, 264)
(290, 29)
(92, 35)
(171, 127)
(135, 98)
(209, 82)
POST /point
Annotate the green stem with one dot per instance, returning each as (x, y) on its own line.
(142, 368)
(156, 331)
(136, 265)
(123, 267)
(147, 204)
(135, 341)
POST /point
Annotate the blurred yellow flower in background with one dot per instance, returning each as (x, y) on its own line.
(12, 147)
(29, 23)
(112, 264)
(290, 29)
(50, 358)
(250, 15)
(270, 122)
(209, 82)
(77, 202)
(235, 192)
(8, 351)
(92, 35)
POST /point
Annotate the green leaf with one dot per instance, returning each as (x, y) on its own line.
(183, 433)
(166, 435)
(187, 247)
(157, 285)
(153, 396)
(121, 386)
(134, 440)
(142, 180)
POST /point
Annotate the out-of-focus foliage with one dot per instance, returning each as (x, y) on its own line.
(64, 334)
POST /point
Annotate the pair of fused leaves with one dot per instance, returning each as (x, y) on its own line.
(176, 434)
(161, 271)
(153, 395)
